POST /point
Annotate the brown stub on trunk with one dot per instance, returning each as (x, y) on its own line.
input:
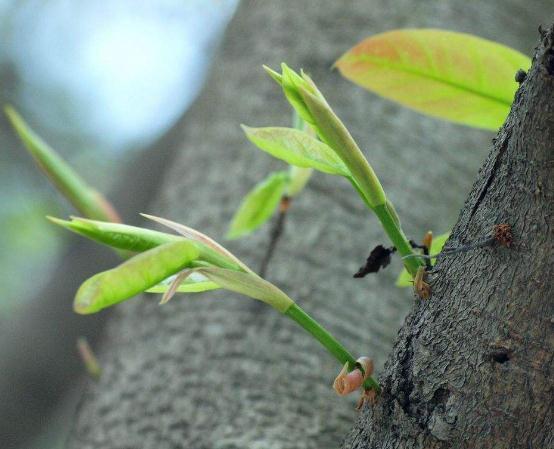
(503, 234)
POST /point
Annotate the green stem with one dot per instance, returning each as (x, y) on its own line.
(359, 190)
(296, 313)
(395, 233)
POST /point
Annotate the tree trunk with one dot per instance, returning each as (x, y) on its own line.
(218, 371)
(472, 366)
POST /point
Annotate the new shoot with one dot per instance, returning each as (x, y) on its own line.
(334, 153)
(193, 262)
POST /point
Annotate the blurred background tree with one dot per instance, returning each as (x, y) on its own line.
(99, 81)
(102, 82)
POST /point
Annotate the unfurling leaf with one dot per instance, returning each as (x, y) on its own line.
(177, 280)
(194, 283)
(332, 131)
(132, 238)
(197, 236)
(292, 82)
(117, 235)
(248, 284)
(258, 205)
(347, 160)
(84, 198)
(449, 75)
(134, 276)
(210, 278)
(404, 279)
(297, 148)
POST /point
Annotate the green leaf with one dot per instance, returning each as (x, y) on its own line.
(117, 235)
(449, 75)
(210, 278)
(83, 197)
(297, 148)
(404, 279)
(290, 83)
(195, 283)
(331, 130)
(258, 205)
(277, 77)
(133, 238)
(248, 284)
(134, 276)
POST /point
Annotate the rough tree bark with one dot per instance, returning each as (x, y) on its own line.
(220, 372)
(472, 366)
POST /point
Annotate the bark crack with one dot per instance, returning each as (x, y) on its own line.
(418, 410)
(492, 174)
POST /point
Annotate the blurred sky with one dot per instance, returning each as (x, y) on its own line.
(98, 79)
(118, 71)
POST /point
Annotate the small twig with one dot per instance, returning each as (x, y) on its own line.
(462, 249)
(501, 235)
(276, 232)
(89, 359)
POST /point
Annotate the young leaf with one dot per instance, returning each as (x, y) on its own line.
(331, 130)
(134, 276)
(195, 283)
(299, 176)
(248, 284)
(445, 74)
(258, 205)
(117, 235)
(132, 238)
(177, 280)
(297, 148)
(404, 279)
(83, 197)
(197, 236)
(355, 167)
(290, 83)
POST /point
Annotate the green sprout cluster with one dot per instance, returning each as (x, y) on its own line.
(192, 262)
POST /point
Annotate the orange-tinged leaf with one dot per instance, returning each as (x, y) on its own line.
(445, 74)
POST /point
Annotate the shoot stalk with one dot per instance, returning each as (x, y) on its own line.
(297, 314)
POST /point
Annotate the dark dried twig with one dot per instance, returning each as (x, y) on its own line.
(276, 232)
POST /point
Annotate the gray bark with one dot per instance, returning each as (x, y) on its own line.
(217, 371)
(472, 366)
